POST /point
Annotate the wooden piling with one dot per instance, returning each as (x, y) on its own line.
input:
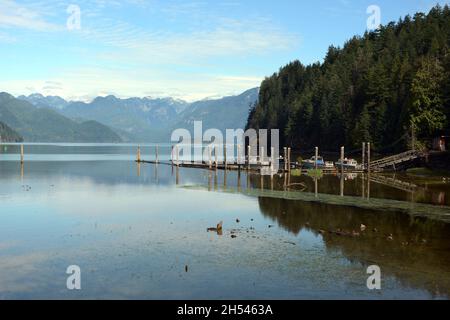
(272, 159)
(138, 156)
(285, 159)
(239, 158)
(261, 156)
(368, 157)
(210, 157)
(249, 149)
(156, 155)
(215, 157)
(178, 155)
(225, 156)
(289, 160)
(342, 159)
(364, 156)
(316, 157)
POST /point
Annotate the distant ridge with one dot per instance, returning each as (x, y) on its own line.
(152, 119)
(47, 125)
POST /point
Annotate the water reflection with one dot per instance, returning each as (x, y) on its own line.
(418, 253)
(136, 224)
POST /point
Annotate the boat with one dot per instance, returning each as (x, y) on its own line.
(311, 163)
(348, 164)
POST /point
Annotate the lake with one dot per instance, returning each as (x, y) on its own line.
(139, 231)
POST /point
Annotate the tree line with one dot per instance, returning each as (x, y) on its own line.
(383, 87)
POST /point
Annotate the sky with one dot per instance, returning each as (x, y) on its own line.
(189, 50)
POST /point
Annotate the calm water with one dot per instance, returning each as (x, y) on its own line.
(134, 229)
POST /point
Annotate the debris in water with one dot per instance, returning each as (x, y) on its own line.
(237, 220)
(233, 236)
(363, 227)
(390, 237)
(217, 229)
(186, 268)
(271, 226)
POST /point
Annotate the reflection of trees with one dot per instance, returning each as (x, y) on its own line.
(418, 255)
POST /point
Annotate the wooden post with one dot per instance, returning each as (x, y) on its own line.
(316, 157)
(342, 160)
(289, 160)
(171, 157)
(285, 159)
(364, 156)
(178, 156)
(215, 155)
(22, 154)
(225, 156)
(261, 156)
(138, 157)
(368, 157)
(239, 158)
(272, 160)
(157, 156)
(210, 160)
(249, 149)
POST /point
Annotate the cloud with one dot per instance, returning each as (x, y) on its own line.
(15, 15)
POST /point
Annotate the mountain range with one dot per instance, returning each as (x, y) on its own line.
(141, 119)
(47, 125)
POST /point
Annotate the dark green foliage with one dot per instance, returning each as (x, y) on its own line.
(8, 135)
(373, 89)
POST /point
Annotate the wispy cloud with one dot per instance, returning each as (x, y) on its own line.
(17, 15)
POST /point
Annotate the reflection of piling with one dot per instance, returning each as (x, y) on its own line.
(262, 182)
(225, 179)
(138, 169)
(239, 181)
(342, 184)
(316, 187)
(21, 154)
(177, 174)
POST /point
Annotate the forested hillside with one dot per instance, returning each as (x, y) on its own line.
(375, 88)
(8, 135)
